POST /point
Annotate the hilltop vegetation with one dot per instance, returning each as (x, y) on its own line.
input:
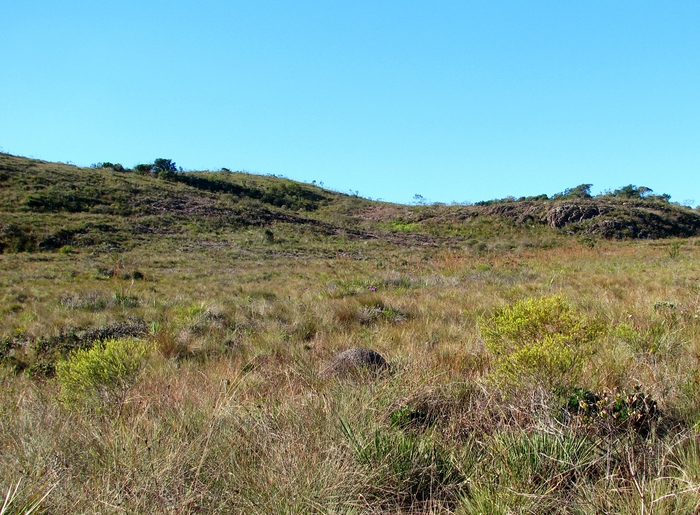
(45, 206)
(165, 341)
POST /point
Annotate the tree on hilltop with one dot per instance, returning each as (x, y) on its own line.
(580, 191)
(164, 165)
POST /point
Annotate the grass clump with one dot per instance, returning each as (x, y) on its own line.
(101, 375)
(406, 468)
(544, 340)
(18, 502)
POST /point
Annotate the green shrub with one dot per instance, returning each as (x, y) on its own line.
(143, 168)
(544, 340)
(102, 374)
(164, 165)
(580, 191)
(117, 167)
(619, 410)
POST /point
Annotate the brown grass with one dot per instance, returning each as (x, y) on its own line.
(233, 415)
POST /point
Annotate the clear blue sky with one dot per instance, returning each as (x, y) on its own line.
(455, 101)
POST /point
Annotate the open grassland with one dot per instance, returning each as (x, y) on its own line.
(228, 409)
(165, 346)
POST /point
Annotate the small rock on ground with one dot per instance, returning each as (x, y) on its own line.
(355, 360)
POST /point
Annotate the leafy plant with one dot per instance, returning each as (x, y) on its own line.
(544, 340)
(617, 410)
(97, 376)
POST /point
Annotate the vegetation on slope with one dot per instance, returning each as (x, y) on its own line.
(46, 206)
(180, 369)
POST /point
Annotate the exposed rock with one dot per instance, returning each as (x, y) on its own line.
(355, 360)
(610, 218)
(565, 214)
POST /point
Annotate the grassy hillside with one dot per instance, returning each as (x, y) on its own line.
(165, 342)
(46, 206)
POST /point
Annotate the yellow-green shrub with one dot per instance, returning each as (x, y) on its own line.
(543, 339)
(102, 374)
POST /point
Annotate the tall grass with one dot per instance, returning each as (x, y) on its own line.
(230, 412)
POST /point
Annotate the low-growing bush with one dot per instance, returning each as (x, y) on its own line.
(615, 411)
(542, 340)
(100, 376)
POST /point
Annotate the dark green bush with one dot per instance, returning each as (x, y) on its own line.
(164, 165)
(143, 168)
(619, 410)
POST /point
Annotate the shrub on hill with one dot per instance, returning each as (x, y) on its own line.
(117, 167)
(638, 192)
(580, 191)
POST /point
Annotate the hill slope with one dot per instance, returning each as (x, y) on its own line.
(45, 206)
(177, 352)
